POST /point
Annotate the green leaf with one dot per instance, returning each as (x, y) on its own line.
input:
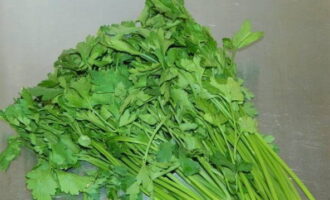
(168, 75)
(120, 45)
(45, 93)
(143, 179)
(244, 167)
(235, 90)
(84, 141)
(70, 59)
(188, 126)
(82, 86)
(189, 166)
(134, 191)
(107, 81)
(73, 184)
(158, 44)
(148, 118)
(229, 175)
(249, 109)
(78, 95)
(173, 9)
(42, 182)
(181, 98)
(165, 151)
(247, 93)
(193, 143)
(247, 124)
(269, 139)
(10, 153)
(85, 48)
(228, 43)
(215, 119)
(245, 37)
(64, 153)
(231, 88)
(219, 159)
(18, 113)
(127, 118)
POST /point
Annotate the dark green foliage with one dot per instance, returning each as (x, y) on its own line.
(156, 107)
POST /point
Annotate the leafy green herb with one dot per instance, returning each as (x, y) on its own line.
(42, 182)
(152, 108)
(10, 153)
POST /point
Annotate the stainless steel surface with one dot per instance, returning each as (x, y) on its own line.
(288, 70)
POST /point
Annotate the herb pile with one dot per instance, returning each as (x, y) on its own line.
(152, 108)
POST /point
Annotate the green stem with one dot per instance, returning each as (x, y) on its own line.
(173, 187)
(264, 169)
(209, 170)
(287, 169)
(151, 140)
(248, 187)
(198, 182)
(99, 147)
(285, 185)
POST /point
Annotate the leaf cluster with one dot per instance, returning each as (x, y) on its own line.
(152, 108)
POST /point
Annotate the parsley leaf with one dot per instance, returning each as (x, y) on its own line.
(42, 182)
(10, 153)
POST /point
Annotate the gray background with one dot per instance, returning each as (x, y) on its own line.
(288, 70)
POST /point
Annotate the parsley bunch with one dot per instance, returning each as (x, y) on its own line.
(153, 108)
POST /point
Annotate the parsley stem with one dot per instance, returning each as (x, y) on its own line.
(286, 168)
(151, 140)
(264, 169)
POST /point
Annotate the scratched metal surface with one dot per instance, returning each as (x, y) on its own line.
(288, 70)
